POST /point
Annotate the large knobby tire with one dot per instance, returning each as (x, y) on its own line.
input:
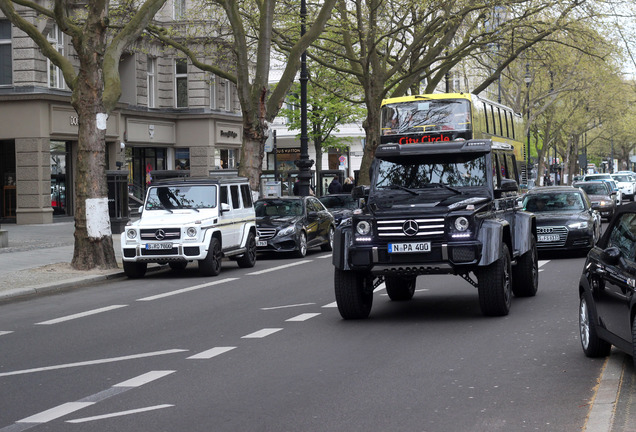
(135, 270)
(329, 245)
(353, 298)
(494, 285)
(178, 265)
(592, 345)
(400, 288)
(301, 246)
(525, 275)
(211, 264)
(248, 259)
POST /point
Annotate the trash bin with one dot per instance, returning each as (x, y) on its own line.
(118, 200)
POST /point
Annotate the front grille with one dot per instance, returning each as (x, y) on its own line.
(404, 228)
(561, 231)
(148, 252)
(266, 233)
(166, 234)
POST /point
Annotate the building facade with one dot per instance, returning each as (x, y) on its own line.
(171, 115)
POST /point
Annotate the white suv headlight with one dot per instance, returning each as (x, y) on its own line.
(191, 232)
(131, 234)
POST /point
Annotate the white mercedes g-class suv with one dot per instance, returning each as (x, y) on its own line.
(192, 219)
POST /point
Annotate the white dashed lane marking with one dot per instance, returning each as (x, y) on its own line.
(261, 333)
(120, 414)
(185, 290)
(282, 267)
(81, 315)
(211, 353)
(303, 317)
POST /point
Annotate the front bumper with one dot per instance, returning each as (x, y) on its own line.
(568, 239)
(443, 258)
(178, 252)
(287, 243)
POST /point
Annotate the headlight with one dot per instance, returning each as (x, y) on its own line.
(578, 225)
(287, 230)
(131, 234)
(191, 232)
(461, 224)
(363, 228)
(605, 203)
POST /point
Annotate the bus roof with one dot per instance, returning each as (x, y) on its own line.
(435, 96)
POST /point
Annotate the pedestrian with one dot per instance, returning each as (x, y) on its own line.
(334, 186)
(558, 179)
(348, 185)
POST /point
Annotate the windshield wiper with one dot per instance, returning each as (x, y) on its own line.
(394, 186)
(442, 185)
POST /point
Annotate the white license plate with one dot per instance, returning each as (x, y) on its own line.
(154, 246)
(548, 237)
(261, 243)
(409, 247)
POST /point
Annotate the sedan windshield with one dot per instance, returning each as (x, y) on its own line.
(593, 188)
(279, 207)
(554, 202)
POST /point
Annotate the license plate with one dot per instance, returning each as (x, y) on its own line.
(261, 243)
(154, 246)
(548, 237)
(409, 247)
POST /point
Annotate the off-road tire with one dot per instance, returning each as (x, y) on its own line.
(329, 245)
(178, 265)
(135, 270)
(592, 345)
(494, 285)
(301, 250)
(525, 275)
(400, 288)
(211, 264)
(248, 259)
(353, 298)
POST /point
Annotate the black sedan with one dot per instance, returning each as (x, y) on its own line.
(601, 195)
(607, 287)
(293, 224)
(565, 218)
(341, 206)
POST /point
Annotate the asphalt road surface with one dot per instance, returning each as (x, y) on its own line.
(265, 349)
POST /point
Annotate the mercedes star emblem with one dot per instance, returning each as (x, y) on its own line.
(410, 227)
(160, 234)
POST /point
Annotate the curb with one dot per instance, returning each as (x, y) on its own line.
(601, 415)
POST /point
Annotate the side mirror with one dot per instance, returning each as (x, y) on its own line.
(358, 192)
(509, 185)
(611, 255)
(225, 207)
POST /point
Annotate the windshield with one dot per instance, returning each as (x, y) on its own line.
(554, 202)
(593, 189)
(279, 207)
(622, 178)
(339, 202)
(427, 172)
(426, 116)
(181, 197)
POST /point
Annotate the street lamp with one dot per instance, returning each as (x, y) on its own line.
(527, 79)
(304, 163)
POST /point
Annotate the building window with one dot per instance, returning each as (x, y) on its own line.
(179, 9)
(182, 158)
(228, 95)
(213, 94)
(226, 158)
(181, 83)
(151, 80)
(6, 68)
(56, 38)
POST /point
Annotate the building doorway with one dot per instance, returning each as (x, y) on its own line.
(8, 181)
(141, 161)
(61, 182)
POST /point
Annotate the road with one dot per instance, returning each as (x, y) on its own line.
(265, 349)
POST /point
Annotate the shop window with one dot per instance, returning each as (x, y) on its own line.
(182, 158)
(6, 67)
(227, 158)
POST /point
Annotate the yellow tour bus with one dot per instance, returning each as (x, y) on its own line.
(451, 117)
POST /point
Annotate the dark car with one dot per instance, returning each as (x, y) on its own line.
(600, 195)
(565, 218)
(341, 206)
(607, 287)
(293, 224)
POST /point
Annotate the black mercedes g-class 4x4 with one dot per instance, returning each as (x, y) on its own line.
(438, 208)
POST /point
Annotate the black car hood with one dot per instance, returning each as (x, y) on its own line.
(561, 218)
(277, 221)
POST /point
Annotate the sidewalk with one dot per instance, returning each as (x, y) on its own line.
(38, 260)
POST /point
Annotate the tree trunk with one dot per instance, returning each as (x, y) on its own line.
(372, 130)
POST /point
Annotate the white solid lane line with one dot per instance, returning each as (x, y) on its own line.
(303, 317)
(331, 305)
(81, 315)
(2, 333)
(325, 256)
(282, 267)
(144, 379)
(54, 413)
(185, 290)
(119, 414)
(93, 362)
(261, 333)
(287, 306)
(205, 355)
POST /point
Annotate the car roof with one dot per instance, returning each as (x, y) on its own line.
(199, 180)
(295, 198)
(548, 189)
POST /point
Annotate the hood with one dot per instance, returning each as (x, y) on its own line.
(599, 197)
(276, 221)
(176, 218)
(561, 218)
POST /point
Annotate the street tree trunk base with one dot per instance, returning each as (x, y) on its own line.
(89, 254)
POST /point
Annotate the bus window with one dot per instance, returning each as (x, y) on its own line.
(508, 122)
(492, 117)
(501, 129)
(486, 117)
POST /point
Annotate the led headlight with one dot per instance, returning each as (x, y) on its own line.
(131, 234)
(363, 228)
(461, 223)
(578, 225)
(286, 231)
(191, 232)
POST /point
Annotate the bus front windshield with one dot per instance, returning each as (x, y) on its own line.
(421, 116)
